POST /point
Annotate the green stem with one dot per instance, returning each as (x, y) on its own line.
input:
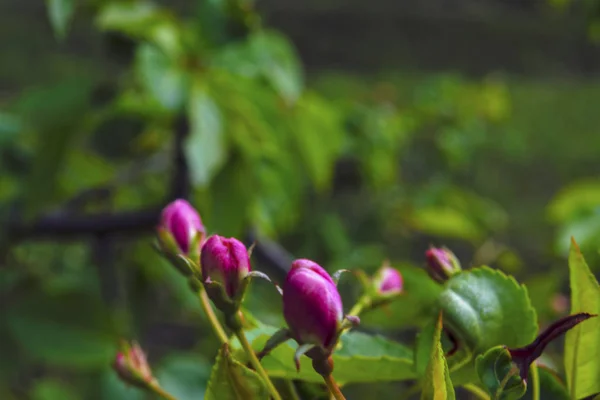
(477, 391)
(360, 305)
(212, 317)
(256, 363)
(156, 389)
(334, 389)
(533, 370)
(290, 389)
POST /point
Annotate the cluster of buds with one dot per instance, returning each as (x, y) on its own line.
(312, 306)
(131, 366)
(221, 265)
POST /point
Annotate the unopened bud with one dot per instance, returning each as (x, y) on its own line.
(312, 306)
(225, 268)
(132, 367)
(442, 263)
(183, 223)
(387, 280)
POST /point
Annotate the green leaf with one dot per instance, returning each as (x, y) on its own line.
(314, 118)
(359, 358)
(232, 380)
(582, 343)
(587, 230)
(499, 375)
(445, 222)
(551, 386)
(574, 200)
(60, 13)
(162, 77)
(112, 387)
(183, 376)
(54, 113)
(143, 20)
(484, 308)
(68, 331)
(437, 384)
(268, 55)
(415, 306)
(205, 146)
(10, 126)
(279, 63)
(131, 17)
(48, 389)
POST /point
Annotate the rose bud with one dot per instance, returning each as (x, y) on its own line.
(184, 225)
(225, 262)
(442, 263)
(132, 367)
(388, 280)
(312, 306)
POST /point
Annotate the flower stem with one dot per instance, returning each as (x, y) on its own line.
(212, 318)
(256, 363)
(334, 389)
(360, 305)
(533, 370)
(156, 389)
(477, 391)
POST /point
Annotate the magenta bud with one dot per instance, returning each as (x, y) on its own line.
(388, 280)
(442, 263)
(183, 222)
(312, 306)
(131, 366)
(225, 261)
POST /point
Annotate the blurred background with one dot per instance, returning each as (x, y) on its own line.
(343, 131)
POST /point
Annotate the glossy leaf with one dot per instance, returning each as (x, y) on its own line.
(582, 343)
(231, 380)
(60, 13)
(359, 358)
(485, 308)
(499, 375)
(205, 146)
(437, 384)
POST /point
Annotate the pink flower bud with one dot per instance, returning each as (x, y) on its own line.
(442, 263)
(388, 280)
(183, 222)
(225, 261)
(312, 306)
(132, 367)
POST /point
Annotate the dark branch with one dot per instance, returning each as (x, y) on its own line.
(78, 226)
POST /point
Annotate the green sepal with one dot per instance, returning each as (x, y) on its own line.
(168, 249)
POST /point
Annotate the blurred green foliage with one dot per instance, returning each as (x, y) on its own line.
(340, 168)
